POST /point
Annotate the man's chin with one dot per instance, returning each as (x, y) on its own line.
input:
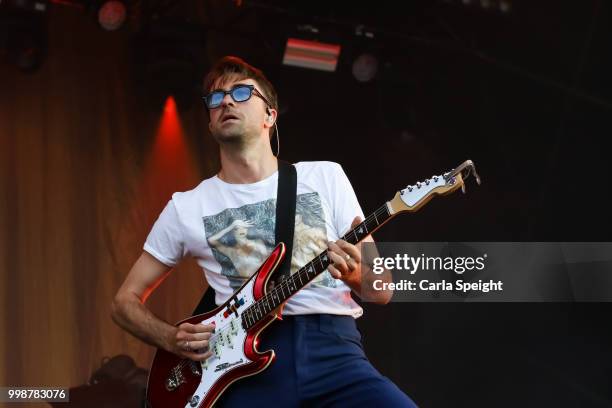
(228, 137)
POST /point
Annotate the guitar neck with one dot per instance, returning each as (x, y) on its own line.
(294, 283)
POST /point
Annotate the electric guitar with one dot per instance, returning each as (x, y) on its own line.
(177, 382)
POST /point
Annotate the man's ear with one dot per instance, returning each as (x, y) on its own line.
(271, 116)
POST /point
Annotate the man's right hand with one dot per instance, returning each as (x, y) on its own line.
(191, 341)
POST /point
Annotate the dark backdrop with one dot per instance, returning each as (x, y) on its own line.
(525, 94)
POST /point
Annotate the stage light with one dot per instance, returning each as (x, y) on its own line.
(112, 14)
(311, 54)
(365, 67)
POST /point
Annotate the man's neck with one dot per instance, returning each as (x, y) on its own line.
(246, 166)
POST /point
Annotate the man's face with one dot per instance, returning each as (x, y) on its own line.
(237, 122)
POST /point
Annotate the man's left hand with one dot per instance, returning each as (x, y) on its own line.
(345, 257)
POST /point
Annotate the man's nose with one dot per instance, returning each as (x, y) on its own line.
(227, 100)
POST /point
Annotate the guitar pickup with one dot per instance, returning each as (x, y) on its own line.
(233, 327)
(228, 339)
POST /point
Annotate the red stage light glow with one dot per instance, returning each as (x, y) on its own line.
(168, 167)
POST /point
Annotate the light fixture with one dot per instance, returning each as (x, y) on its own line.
(112, 15)
(365, 67)
(311, 54)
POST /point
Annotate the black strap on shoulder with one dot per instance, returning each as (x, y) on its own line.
(284, 229)
(285, 214)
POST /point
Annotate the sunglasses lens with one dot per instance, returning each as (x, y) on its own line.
(214, 99)
(241, 93)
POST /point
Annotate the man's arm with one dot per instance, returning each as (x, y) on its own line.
(129, 312)
(354, 273)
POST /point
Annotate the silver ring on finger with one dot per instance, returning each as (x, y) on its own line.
(347, 257)
(187, 345)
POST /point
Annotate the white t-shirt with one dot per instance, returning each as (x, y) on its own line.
(229, 229)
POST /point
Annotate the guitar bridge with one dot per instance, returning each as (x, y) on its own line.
(176, 376)
(175, 379)
(196, 368)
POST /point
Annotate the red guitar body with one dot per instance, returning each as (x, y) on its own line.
(176, 382)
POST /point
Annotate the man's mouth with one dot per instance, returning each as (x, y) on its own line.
(228, 116)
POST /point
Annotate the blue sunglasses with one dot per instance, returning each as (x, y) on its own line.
(239, 93)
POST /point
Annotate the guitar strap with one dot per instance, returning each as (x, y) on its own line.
(285, 225)
(285, 215)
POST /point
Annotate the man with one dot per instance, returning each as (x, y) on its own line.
(227, 223)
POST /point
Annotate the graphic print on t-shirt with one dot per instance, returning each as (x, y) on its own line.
(242, 238)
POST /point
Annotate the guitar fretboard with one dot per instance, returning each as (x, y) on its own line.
(290, 285)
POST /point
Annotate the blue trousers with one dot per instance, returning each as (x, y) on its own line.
(319, 362)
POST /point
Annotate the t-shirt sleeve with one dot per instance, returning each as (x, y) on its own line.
(165, 241)
(346, 206)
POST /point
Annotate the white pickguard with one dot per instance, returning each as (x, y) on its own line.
(227, 345)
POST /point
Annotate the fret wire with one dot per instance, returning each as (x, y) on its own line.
(302, 272)
(265, 309)
(285, 283)
(268, 302)
(271, 299)
(376, 213)
(293, 288)
(373, 223)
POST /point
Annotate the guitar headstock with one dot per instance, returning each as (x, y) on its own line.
(413, 197)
